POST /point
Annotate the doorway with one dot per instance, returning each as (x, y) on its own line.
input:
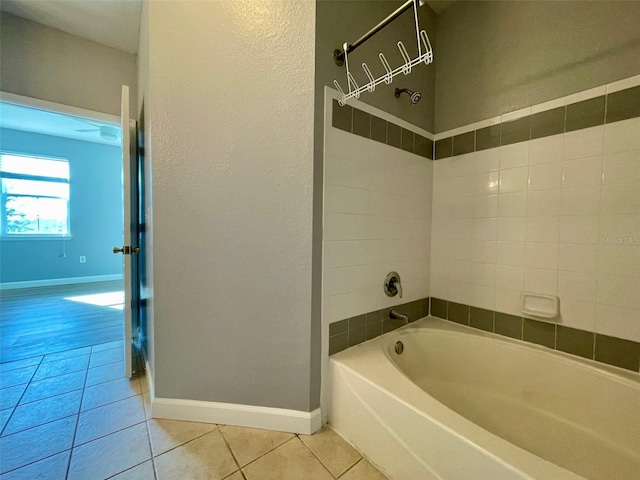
(61, 212)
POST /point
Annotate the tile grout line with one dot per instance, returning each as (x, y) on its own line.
(75, 430)
(266, 453)
(320, 460)
(19, 399)
(351, 467)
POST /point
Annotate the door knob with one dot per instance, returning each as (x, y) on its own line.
(126, 250)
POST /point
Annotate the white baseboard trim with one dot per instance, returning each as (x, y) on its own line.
(59, 281)
(280, 419)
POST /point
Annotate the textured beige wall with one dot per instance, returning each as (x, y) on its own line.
(48, 64)
(496, 56)
(231, 127)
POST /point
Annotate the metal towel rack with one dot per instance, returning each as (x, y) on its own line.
(425, 55)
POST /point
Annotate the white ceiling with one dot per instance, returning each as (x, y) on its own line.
(114, 23)
(28, 119)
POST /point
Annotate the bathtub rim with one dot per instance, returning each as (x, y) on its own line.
(360, 359)
(433, 323)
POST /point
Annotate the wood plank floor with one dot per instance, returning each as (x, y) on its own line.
(41, 321)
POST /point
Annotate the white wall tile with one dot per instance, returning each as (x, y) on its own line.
(340, 199)
(343, 226)
(509, 277)
(515, 155)
(568, 223)
(487, 160)
(545, 176)
(620, 229)
(544, 202)
(338, 144)
(541, 255)
(579, 229)
(618, 290)
(483, 251)
(510, 253)
(618, 322)
(482, 296)
(512, 229)
(578, 314)
(460, 207)
(342, 253)
(578, 258)
(460, 249)
(460, 271)
(347, 173)
(543, 281)
(459, 292)
(486, 183)
(581, 200)
(485, 206)
(622, 136)
(483, 274)
(619, 260)
(587, 142)
(621, 198)
(543, 229)
(577, 286)
(514, 180)
(484, 229)
(512, 204)
(439, 287)
(621, 167)
(582, 171)
(508, 301)
(546, 150)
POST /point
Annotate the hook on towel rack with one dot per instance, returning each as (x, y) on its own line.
(425, 55)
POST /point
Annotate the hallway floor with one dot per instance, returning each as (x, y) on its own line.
(71, 415)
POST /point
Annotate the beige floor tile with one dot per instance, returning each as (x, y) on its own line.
(146, 400)
(291, 461)
(108, 392)
(52, 467)
(144, 471)
(144, 382)
(247, 444)
(54, 386)
(110, 455)
(168, 434)
(335, 453)
(110, 418)
(9, 396)
(363, 471)
(206, 458)
(42, 442)
(235, 476)
(60, 367)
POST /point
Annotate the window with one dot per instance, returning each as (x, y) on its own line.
(35, 195)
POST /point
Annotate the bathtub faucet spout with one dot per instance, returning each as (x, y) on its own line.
(393, 315)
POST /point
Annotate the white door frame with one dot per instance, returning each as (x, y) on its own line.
(58, 107)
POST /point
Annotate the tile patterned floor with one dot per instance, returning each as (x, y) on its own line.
(70, 415)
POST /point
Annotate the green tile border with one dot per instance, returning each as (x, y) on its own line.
(601, 110)
(366, 125)
(355, 330)
(593, 346)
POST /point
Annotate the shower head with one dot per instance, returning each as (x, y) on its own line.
(414, 97)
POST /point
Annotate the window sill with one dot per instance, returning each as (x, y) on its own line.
(13, 238)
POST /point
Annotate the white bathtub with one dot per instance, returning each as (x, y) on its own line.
(460, 403)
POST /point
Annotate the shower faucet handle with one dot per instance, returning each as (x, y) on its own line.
(392, 285)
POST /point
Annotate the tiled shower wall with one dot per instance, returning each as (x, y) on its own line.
(377, 210)
(544, 200)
